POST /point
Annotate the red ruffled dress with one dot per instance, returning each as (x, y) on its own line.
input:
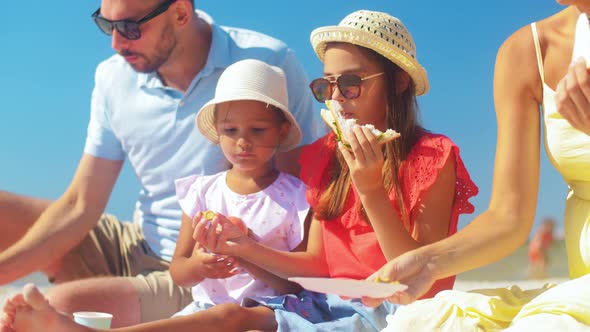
(350, 244)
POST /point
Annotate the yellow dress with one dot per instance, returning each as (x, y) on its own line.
(565, 307)
(569, 152)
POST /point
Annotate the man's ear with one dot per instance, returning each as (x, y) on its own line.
(183, 11)
(402, 81)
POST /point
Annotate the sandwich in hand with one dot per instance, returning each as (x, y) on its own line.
(343, 127)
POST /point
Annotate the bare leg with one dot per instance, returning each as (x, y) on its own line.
(34, 313)
(114, 295)
(17, 215)
(223, 317)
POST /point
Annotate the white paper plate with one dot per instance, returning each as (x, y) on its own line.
(349, 287)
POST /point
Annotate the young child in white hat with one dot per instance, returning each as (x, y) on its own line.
(249, 119)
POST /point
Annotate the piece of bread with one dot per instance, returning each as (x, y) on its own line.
(342, 126)
(209, 215)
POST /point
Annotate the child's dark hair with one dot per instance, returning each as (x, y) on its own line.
(279, 114)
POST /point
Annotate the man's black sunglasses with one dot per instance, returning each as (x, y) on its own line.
(127, 28)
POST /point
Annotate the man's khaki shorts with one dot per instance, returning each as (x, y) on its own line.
(115, 248)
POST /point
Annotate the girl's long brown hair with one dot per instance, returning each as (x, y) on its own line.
(402, 116)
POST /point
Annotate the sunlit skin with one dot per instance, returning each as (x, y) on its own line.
(343, 58)
(157, 41)
(175, 44)
(249, 135)
(36, 314)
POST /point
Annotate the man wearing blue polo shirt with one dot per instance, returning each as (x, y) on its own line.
(143, 108)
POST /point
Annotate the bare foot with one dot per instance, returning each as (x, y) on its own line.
(9, 312)
(30, 311)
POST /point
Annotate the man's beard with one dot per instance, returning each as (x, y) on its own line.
(161, 55)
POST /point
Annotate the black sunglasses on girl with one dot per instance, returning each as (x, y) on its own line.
(348, 84)
(128, 28)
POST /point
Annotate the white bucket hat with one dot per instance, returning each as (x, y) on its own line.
(379, 32)
(250, 80)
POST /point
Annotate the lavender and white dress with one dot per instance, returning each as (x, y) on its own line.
(275, 215)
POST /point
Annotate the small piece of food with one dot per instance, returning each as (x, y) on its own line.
(208, 215)
(342, 127)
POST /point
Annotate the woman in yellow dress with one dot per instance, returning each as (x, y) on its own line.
(540, 80)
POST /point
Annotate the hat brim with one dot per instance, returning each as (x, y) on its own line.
(320, 37)
(206, 118)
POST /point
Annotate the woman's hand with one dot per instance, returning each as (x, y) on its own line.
(573, 96)
(365, 161)
(412, 269)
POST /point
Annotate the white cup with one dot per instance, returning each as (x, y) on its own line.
(97, 320)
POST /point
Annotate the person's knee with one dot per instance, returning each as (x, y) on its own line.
(95, 292)
(233, 311)
(62, 297)
(115, 295)
(231, 316)
(65, 297)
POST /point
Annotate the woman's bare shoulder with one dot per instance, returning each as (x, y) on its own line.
(516, 71)
(517, 55)
(554, 28)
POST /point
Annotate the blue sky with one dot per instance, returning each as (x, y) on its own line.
(50, 51)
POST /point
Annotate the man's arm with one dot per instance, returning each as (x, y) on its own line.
(65, 222)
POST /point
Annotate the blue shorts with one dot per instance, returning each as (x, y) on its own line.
(310, 311)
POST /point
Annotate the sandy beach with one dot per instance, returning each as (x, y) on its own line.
(460, 284)
(508, 272)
